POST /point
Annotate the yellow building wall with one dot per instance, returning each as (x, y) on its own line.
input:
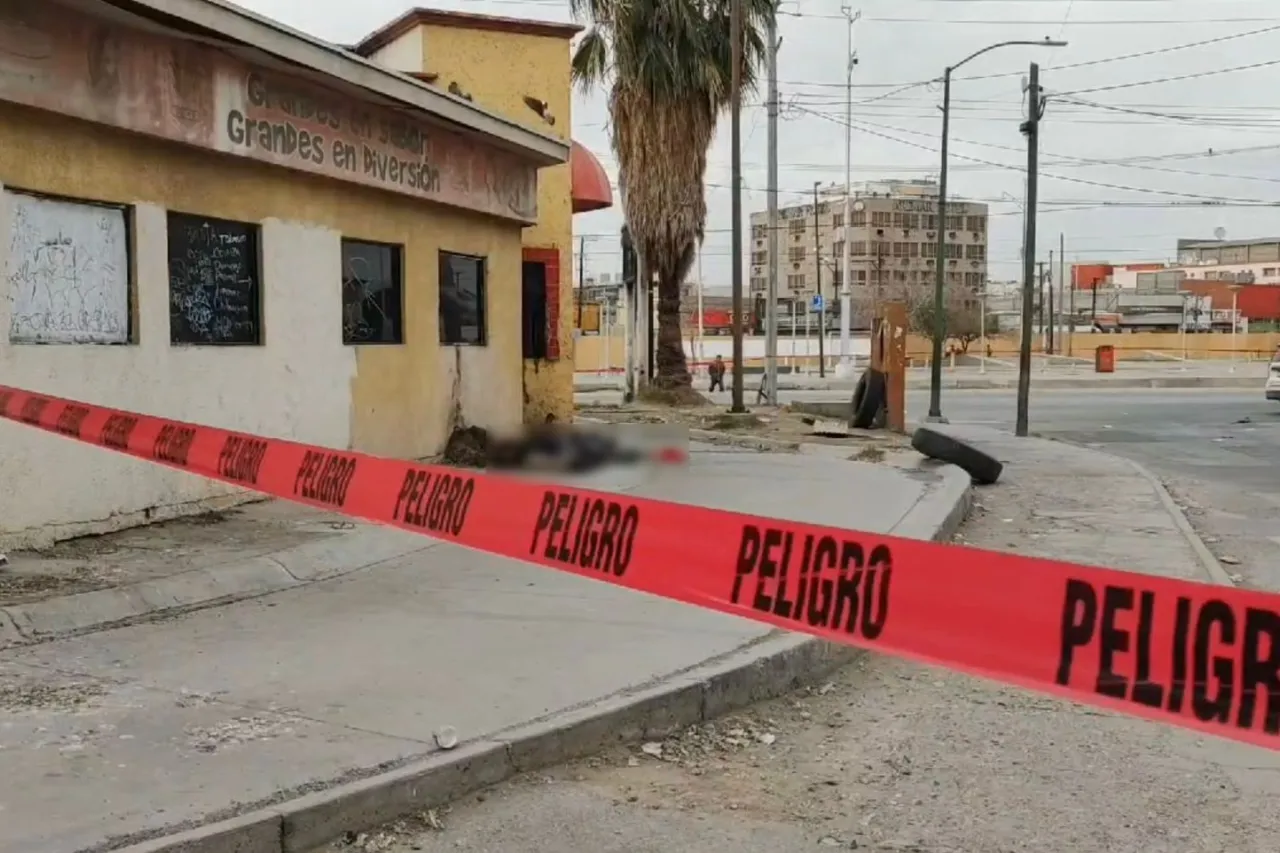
(403, 403)
(498, 69)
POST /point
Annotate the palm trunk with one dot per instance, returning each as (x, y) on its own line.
(673, 368)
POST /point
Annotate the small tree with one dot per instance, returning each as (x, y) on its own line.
(962, 311)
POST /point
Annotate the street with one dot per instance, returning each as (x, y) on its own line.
(1218, 452)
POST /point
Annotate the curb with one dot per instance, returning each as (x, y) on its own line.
(1212, 567)
(771, 666)
(68, 615)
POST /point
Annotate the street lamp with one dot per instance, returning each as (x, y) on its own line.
(1183, 326)
(939, 322)
(1235, 323)
(982, 327)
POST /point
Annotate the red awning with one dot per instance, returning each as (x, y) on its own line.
(591, 189)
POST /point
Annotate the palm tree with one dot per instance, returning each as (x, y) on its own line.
(668, 66)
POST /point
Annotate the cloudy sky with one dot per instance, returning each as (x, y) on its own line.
(1158, 109)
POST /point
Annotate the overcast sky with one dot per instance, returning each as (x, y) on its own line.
(1157, 136)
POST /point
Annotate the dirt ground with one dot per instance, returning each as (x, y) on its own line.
(770, 425)
(158, 550)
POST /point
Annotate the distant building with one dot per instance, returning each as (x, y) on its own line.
(893, 233)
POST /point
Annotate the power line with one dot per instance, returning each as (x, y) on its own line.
(1174, 79)
(1092, 62)
(859, 126)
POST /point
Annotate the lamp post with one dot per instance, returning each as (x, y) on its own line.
(982, 328)
(1183, 326)
(939, 322)
(1235, 323)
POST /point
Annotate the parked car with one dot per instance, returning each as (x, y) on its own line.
(1272, 387)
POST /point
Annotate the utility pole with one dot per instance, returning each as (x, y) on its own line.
(582, 275)
(939, 319)
(940, 265)
(1049, 283)
(735, 143)
(771, 292)
(846, 285)
(1062, 283)
(817, 265)
(1044, 329)
(1031, 128)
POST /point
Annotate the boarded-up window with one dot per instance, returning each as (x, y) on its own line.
(68, 271)
(215, 281)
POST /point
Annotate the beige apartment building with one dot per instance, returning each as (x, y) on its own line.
(893, 233)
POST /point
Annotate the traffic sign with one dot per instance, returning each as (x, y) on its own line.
(817, 304)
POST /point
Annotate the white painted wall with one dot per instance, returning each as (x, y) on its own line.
(295, 386)
(404, 54)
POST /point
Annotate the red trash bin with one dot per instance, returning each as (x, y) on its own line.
(1104, 359)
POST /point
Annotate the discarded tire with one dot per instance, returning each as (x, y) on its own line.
(984, 469)
(868, 399)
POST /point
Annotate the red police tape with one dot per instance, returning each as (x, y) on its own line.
(1196, 655)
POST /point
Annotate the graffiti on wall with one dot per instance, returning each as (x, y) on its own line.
(59, 60)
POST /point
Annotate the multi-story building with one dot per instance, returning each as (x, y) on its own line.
(893, 233)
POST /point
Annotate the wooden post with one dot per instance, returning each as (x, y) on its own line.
(892, 341)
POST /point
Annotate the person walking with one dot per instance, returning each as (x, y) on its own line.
(716, 372)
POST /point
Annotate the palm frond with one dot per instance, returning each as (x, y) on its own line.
(669, 68)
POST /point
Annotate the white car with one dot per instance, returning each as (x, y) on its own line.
(1273, 378)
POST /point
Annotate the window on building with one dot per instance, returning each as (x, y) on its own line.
(955, 250)
(928, 250)
(837, 249)
(858, 247)
(68, 271)
(462, 299)
(881, 218)
(973, 280)
(797, 226)
(759, 285)
(976, 223)
(796, 254)
(906, 220)
(796, 282)
(372, 293)
(858, 218)
(860, 275)
(955, 223)
(837, 279)
(759, 258)
(759, 232)
(975, 252)
(931, 222)
(1265, 271)
(215, 281)
(900, 250)
(837, 221)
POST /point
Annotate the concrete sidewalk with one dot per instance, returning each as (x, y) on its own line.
(282, 721)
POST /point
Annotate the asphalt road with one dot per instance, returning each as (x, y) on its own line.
(1217, 451)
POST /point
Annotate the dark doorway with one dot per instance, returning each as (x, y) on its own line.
(533, 301)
